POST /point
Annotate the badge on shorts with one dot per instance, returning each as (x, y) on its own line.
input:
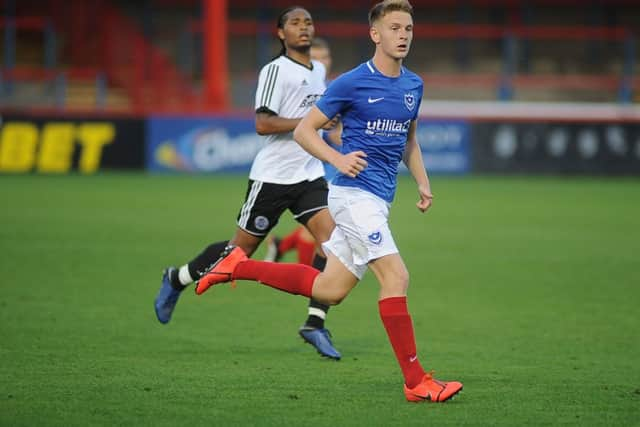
(261, 223)
(409, 101)
(375, 238)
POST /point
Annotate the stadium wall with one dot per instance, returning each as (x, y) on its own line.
(455, 139)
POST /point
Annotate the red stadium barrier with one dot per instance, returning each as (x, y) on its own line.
(364, 5)
(40, 74)
(569, 81)
(247, 27)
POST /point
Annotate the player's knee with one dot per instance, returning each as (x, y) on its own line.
(335, 300)
(336, 296)
(331, 287)
(399, 281)
(403, 278)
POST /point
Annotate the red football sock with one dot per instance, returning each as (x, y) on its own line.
(290, 241)
(296, 279)
(397, 322)
(306, 251)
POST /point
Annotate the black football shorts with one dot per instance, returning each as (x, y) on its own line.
(265, 203)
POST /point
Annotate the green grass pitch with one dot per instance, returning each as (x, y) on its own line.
(525, 289)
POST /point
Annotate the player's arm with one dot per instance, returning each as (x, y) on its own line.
(306, 134)
(334, 135)
(268, 122)
(270, 96)
(412, 158)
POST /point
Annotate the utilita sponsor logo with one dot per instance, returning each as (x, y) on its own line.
(387, 127)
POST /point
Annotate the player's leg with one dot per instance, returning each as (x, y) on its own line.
(392, 304)
(257, 216)
(363, 220)
(174, 280)
(313, 331)
(191, 271)
(394, 280)
(277, 247)
(306, 246)
(265, 203)
(311, 210)
(181, 277)
(329, 287)
(320, 227)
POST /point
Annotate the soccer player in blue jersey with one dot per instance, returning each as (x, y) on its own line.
(378, 102)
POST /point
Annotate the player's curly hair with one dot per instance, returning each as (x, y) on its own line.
(380, 9)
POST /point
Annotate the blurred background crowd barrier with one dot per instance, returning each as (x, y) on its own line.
(510, 85)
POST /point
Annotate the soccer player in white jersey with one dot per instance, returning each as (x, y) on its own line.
(283, 175)
(299, 239)
(378, 102)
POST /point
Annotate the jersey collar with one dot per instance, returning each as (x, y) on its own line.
(299, 63)
(374, 70)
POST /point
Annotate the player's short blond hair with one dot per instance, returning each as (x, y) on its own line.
(379, 10)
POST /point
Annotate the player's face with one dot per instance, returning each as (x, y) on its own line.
(298, 30)
(393, 34)
(323, 55)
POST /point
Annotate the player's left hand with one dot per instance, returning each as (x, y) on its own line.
(426, 199)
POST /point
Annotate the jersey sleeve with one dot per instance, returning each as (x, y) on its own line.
(270, 89)
(337, 98)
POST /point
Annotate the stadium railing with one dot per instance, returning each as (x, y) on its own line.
(153, 82)
(508, 81)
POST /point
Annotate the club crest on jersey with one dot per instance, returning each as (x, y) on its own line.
(409, 101)
(261, 223)
(375, 238)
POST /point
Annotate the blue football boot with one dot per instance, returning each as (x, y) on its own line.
(321, 340)
(167, 297)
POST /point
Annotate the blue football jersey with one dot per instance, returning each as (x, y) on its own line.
(376, 112)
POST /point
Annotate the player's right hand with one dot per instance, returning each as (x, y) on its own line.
(351, 164)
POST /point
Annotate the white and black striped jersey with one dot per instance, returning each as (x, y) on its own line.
(289, 89)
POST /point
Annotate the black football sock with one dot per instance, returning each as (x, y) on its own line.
(317, 310)
(174, 280)
(199, 265)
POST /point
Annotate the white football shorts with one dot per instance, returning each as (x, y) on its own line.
(362, 231)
